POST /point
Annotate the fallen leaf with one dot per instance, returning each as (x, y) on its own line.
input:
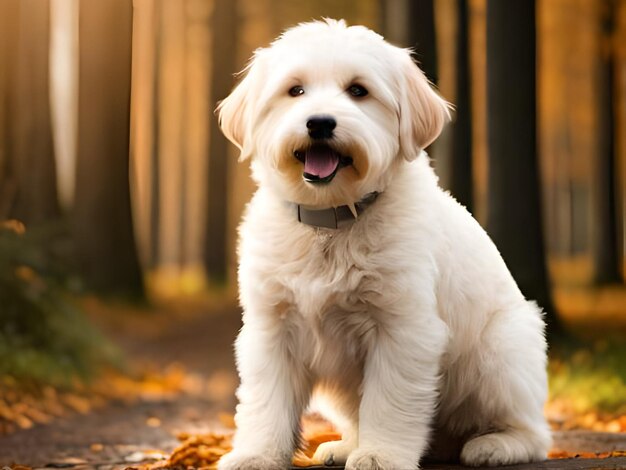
(13, 225)
(153, 422)
(204, 451)
(67, 462)
(140, 456)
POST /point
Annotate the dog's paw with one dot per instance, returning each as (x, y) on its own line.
(333, 452)
(487, 450)
(368, 459)
(240, 461)
(502, 448)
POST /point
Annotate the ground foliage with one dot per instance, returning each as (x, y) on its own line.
(203, 452)
(588, 385)
(23, 406)
(44, 336)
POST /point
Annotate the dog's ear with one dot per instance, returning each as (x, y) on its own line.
(423, 113)
(234, 114)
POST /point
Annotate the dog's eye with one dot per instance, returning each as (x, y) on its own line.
(357, 91)
(296, 90)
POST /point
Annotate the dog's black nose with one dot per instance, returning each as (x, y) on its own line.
(321, 127)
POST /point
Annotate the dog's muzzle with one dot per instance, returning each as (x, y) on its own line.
(321, 161)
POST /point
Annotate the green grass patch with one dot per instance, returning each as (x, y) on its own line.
(590, 377)
(44, 335)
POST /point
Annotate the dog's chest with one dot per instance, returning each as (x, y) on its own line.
(333, 293)
(333, 276)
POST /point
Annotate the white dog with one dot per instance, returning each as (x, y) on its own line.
(361, 280)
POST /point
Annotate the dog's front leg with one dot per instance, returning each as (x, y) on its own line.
(399, 394)
(272, 395)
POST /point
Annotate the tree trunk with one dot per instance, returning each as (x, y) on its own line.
(102, 223)
(9, 15)
(605, 253)
(422, 37)
(172, 124)
(224, 63)
(461, 175)
(394, 21)
(144, 131)
(199, 111)
(32, 168)
(64, 93)
(514, 201)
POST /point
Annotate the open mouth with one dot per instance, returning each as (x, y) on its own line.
(321, 163)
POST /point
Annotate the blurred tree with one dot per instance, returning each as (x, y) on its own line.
(171, 131)
(9, 11)
(199, 114)
(422, 37)
(604, 225)
(144, 128)
(514, 208)
(29, 190)
(224, 55)
(102, 222)
(460, 178)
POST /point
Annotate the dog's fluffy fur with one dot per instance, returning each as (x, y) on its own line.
(407, 323)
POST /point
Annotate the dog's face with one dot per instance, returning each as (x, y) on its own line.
(328, 112)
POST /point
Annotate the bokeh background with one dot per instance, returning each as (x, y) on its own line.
(119, 197)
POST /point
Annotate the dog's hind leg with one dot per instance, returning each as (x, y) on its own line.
(511, 390)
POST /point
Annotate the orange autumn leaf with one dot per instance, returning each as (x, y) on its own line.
(563, 454)
(204, 451)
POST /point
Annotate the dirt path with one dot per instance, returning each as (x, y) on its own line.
(119, 436)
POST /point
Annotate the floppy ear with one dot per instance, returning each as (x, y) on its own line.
(234, 113)
(423, 112)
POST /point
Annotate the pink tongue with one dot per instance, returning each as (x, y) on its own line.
(320, 161)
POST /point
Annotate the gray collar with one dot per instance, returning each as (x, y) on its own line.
(334, 217)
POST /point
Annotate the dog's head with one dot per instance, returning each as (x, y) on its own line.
(328, 112)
